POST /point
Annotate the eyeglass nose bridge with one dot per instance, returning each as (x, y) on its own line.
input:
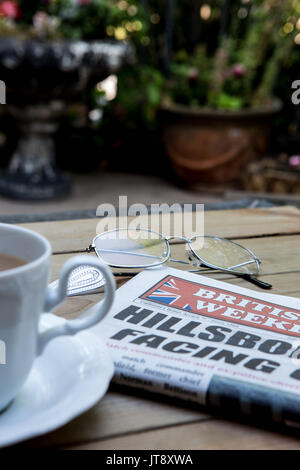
(178, 237)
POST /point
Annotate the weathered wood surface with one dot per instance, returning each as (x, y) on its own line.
(118, 414)
(129, 421)
(76, 235)
(204, 435)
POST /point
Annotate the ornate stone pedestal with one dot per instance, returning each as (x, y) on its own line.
(41, 77)
(32, 173)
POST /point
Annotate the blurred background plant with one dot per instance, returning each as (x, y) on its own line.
(72, 19)
(222, 54)
(243, 69)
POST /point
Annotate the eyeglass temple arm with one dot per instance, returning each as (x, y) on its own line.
(255, 281)
(256, 260)
(250, 277)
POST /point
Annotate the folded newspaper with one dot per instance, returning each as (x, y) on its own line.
(208, 341)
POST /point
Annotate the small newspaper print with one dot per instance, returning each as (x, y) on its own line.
(171, 331)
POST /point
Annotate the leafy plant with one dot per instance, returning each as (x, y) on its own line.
(242, 71)
(139, 95)
(73, 19)
(137, 100)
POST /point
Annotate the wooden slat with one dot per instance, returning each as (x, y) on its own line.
(206, 435)
(57, 262)
(115, 415)
(76, 235)
(278, 254)
(283, 284)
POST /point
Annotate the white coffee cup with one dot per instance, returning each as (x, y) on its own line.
(25, 295)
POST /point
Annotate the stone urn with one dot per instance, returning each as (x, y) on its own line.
(207, 146)
(41, 77)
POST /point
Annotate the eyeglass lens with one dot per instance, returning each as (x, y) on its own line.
(127, 248)
(225, 254)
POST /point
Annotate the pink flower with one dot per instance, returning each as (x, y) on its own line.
(193, 74)
(10, 9)
(294, 161)
(238, 70)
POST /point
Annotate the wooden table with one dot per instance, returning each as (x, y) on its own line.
(126, 421)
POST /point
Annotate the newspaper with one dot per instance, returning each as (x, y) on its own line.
(204, 340)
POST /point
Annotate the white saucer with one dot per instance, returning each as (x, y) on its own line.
(70, 377)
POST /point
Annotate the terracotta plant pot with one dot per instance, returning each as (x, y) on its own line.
(214, 147)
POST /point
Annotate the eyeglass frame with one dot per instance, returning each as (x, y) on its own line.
(248, 276)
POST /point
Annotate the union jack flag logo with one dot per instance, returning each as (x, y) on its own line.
(168, 293)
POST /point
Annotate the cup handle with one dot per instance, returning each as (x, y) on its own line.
(56, 296)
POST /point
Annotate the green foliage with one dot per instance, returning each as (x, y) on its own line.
(225, 101)
(138, 97)
(75, 19)
(244, 68)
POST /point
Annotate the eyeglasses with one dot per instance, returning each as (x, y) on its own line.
(144, 249)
